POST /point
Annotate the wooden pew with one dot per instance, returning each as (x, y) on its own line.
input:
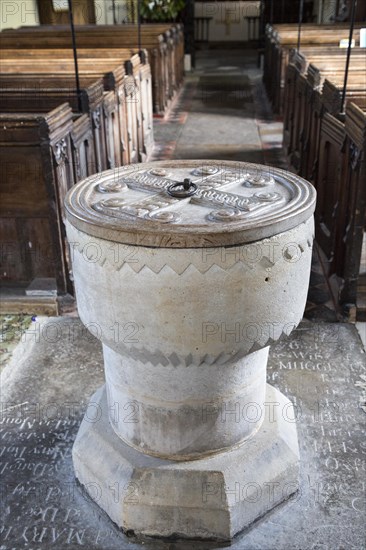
(300, 65)
(138, 69)
(280, 39)
(317, 107)
(172, 34)
(73, 153)
(51, 88)
(307, 112)
(303, 107)
(157, 50)
(57, 88)
(329, 222)
(114, 78)
(41, 156)
(165, 52)
(328, 147)
(353, 290)
(25, 95)
(341, 205)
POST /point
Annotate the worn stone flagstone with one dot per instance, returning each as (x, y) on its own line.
(45, 394)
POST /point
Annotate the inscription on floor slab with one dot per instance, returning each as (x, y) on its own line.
(45, 395)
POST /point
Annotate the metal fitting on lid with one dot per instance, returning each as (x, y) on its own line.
(182, 190)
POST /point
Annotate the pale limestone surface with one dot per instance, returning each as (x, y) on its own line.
(185, 412)
(185, 332)
(210, 498)
(174, 299)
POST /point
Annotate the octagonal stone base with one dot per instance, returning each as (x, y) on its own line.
(210, 498)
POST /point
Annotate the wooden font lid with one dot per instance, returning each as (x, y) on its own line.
(190, 203)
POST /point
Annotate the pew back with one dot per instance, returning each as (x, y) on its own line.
(41, 156)
(165, 45)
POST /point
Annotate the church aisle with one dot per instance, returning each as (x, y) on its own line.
(221, 123)
(222, 112)
(215, 115)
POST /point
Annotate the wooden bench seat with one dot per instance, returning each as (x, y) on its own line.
(164, 44)
(47, 145)
(22, 95)
(62, 147)
(171, 32)
(323, 144)
(304, 83)
(316, 103)
(136, 67)
(281, 39)
(327, 147)
(156, 47)
(41, 156)
(303, 63)
(114, 78)
(341, 206)
(327, 100)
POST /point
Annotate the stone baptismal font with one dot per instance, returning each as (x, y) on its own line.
(187, 271)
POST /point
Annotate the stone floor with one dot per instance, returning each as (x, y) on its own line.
(222, 112)
(45, 392)
(12, 327)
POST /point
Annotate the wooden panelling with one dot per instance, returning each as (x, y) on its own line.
(327, 147)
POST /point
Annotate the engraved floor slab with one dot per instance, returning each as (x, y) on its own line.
(45, 393)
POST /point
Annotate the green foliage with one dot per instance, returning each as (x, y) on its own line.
(161, 10)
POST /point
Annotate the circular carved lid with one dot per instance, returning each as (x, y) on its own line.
(188, 204)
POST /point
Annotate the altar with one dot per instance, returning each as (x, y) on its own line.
(230, 21)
